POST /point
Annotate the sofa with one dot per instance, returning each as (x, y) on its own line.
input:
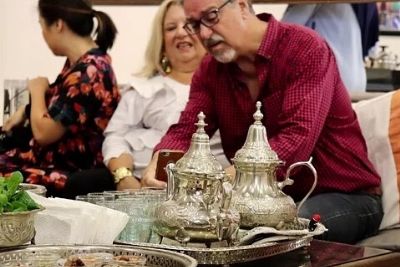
(379, 119)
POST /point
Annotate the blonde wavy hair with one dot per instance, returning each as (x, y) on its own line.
(155, 47)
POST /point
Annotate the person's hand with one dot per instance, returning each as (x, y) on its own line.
(16, 119)
(129, 182)
(38, 86)
(149, 174)
(231, 172)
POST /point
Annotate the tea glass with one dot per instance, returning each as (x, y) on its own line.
(99, 198)
(83, 198)
(116, 194)
(140, 206)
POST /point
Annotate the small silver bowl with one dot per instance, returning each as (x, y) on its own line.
(34, 188)
(17, 228)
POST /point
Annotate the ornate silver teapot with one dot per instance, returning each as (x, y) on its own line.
(199, 196)
(258, 196)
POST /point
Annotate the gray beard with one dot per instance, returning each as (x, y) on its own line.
(226, 56)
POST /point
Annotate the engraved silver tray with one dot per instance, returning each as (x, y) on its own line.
(231, 255)
(154, 257)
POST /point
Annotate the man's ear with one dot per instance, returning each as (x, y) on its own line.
(244, 6)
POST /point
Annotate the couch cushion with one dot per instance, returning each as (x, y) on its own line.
(385, 239)
(380, 124)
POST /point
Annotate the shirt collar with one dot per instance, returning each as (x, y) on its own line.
(267, 47)
(268, 44)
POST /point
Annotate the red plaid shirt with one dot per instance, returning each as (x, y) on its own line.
(307, 110)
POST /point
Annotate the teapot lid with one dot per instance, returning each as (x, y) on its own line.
(256, 149)
(198, 159)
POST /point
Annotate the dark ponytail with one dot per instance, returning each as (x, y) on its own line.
(106, 30)
(78, 15)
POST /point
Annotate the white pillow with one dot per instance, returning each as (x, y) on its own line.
(380, 124)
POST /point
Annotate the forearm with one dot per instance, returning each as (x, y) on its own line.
(45, 129)
(124, 160)
(38, 116)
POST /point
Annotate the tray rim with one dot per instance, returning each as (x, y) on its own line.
(180, 257)
(202, 255)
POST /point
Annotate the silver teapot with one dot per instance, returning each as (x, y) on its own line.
(199, 196)
(258, 196)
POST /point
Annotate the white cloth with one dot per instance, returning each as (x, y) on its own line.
(338, 24)
(68, 222)
(143, 116)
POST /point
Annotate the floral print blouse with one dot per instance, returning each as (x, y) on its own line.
(83, 98)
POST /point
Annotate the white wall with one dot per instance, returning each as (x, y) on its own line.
(24, 54)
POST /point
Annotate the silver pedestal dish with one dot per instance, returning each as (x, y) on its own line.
(154, 257)
(34, 188)
(17, 228)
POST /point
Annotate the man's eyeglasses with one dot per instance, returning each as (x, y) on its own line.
(209, 19)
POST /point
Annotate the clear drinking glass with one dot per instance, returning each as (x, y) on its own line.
(116, 194)
(138, 228)
(140, 205)
(82, 198)
(99, 198)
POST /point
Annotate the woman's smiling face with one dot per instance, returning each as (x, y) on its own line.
(180, 47)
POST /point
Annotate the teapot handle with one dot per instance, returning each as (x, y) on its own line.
(288, 181)
(170, 184)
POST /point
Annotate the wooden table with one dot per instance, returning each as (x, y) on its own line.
(323, 253)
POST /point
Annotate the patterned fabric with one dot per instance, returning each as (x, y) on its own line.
(307, 110)
(380, 123)
(83, 98)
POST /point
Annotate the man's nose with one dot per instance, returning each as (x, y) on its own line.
(205, 32)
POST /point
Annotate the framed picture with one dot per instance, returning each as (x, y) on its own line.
(15, 95)
(389, 18)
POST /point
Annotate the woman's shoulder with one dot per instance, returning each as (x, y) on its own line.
(147, 87)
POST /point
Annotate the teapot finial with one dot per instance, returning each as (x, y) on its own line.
(201, 123)
(258, 116)
(256, 149)
(199, 159)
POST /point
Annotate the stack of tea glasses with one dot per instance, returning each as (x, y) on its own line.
(139, 204)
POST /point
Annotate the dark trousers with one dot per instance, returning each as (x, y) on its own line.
(348, 217)
(87, 181)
